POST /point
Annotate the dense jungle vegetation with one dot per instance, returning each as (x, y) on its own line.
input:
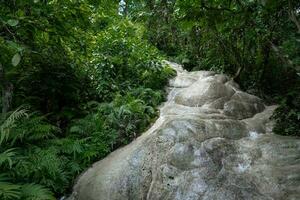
(80, 78)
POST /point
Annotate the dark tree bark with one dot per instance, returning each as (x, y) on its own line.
(7, 91)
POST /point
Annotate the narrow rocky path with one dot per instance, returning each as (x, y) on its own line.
(212, 141)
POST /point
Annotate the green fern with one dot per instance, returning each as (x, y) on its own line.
(33, 128)
(8, 156)
(8, 191)
(10, 122)
(70, 145)
(36, 192)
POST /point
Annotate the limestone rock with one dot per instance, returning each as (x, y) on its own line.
(243, 105)
(211, 142)
(202, 92)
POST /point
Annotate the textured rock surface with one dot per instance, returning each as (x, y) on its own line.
(211, 142)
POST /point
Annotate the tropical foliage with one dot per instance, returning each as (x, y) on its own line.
(80, 78)
(256, 41)
(87, 82)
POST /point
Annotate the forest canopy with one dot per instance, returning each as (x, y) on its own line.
(80, 78)
(255, 41)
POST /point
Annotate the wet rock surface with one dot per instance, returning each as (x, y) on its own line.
(211, 142)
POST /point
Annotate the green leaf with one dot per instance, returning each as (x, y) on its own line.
(16, 59)
(15, 46)
(13, 22)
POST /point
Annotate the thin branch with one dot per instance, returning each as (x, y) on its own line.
(13, 35)
(293, 16)
(282, 57)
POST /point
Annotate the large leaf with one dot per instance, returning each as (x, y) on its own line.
(13, 22)
(16, 59)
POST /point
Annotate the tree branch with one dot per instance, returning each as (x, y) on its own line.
(293, 16)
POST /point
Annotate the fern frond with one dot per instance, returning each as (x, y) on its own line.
(71, 146)
(34, 128)
(10, 122)
(36, 192)
(7, 156)
(76, 129)
(14, 116)
(8, 191)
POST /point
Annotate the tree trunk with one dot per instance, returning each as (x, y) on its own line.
(283, 58)
(7, 91)
(125, 11)
(265, 63)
